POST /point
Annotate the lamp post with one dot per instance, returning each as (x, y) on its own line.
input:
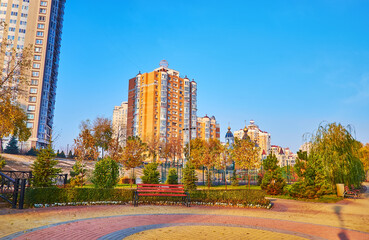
(189, 139)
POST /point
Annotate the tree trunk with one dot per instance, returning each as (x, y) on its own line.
(248, 176)
(1, 145)
(208, 173)
(131, 178)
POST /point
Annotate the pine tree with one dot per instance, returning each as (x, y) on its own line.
(273, 181)
(70, 155)
(58, 154)
(32, 152)
(172, 176)
(62, 154)
(78, 174)
(106, 173)
(12, 147)
(189, 176)
(151, 174)
(43, 168)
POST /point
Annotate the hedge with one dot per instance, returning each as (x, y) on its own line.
(39, 197)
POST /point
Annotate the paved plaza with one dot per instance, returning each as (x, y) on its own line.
(288, 219)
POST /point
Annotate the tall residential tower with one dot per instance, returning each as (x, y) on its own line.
(162, 105)
(38, 23)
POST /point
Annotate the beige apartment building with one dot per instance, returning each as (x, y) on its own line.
(208, 128)
(162, 105)
(38, 23)
(120, 122)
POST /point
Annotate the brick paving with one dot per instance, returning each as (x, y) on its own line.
(99, 227)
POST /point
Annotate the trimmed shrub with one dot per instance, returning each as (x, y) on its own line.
(244, 197)
(106, 173)
(151, 174)
(189, 177)
(172, 176)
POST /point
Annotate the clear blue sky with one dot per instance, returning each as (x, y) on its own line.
(288, 65)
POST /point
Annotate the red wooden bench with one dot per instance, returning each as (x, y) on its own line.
(161, 190)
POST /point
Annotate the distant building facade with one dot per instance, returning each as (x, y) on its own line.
(36, 23)
(162, 105)
(284, 155)
(208, 128)
(120, 122)
(261, 138)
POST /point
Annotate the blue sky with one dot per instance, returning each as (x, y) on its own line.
(288, 65)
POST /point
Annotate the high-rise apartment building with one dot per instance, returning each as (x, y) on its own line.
(38, 23)
(208, 128)
(120, 122)
(262, 138)
(162, 105)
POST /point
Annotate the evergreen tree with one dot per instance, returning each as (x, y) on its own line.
(151, 174)
(106, 173)
(78, 174)
(273, 181)
(32, 152)
(58, 154)
(70, 155)
(62, 154)
(2, 162)
(234, 180)
(43, 168)
(172, 176)
(12, 147)
(189, 176)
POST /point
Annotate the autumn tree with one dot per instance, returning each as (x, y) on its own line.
(153, 145)
(133, 154)
(13, 88)
(246, 155)
(102, 132)
(174, 148)
(85, 147)
(224, 160)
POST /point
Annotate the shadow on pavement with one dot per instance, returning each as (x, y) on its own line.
(342, 235)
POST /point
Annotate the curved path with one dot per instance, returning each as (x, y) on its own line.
(288, 219)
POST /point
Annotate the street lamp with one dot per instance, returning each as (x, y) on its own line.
(189, 139)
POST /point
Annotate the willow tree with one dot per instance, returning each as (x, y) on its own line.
(246, 155)
(364, 157)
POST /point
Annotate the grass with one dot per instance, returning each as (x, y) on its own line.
(332, 198)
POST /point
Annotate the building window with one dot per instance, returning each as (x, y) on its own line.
(33, 90)
(41, 18)
(14, 13)
(42, 10)
(34, 82)
(41, 26)
(37, 49)
(31, 107)
(32, 99)
(25, 15)
(11, 29)
(35, 74)
(31, 116)
(36, 65)
(38, 41)
(29, 125)
(40, 34)
(22, 30)
(37, 57)
(43, 3)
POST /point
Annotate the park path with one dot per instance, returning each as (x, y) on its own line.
(348, 218)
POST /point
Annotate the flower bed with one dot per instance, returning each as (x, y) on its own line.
(46, 197)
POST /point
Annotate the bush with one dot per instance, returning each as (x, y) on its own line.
(189, 176)
(234, 179)
(32, 152)
(172, 176)
(244, 197)
(78, 174)
(151, 174)
(106, 173)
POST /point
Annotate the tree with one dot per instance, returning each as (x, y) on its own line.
(2, 162)
(13, 87)
(364, 157)
(189, 176)
(133, 154)
(43, 168)
(172, 176)
(102, 132)
(85, 147)
(273, 181)
(224, 160)
(62, 154)
(151, 174)
(12, 147)
(338, 152)
(153, 145)
(32, 152)
(174, 148)
(70, 155)
(246, 155)
(106, 173)
(78, 174)
(234, 180)
(205, 153)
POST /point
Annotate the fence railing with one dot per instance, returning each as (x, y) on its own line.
(10, 188)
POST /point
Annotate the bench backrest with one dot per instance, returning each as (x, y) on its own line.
(164, 188)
